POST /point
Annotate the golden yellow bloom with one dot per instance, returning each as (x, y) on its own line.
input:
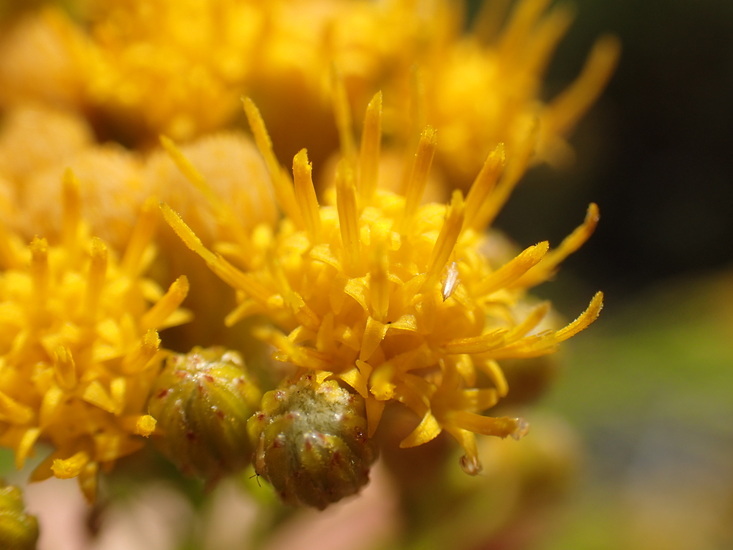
(35, 137)
(483, 88)
(391, 296)
(238, 176)
(169, 66)
(39, 61)
(179, 68)
(112, 191)
(79, 346)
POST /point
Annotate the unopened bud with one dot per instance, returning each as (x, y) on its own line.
(311, 440)
(202, 401)
(18, 530)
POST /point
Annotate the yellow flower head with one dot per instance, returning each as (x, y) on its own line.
(79, 347)
(391, 296)
(39, 60)
(484, 87)
(169, 66)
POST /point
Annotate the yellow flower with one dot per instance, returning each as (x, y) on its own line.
(39, 60)
(484, 87)
(35, 137)
(179, 68)
(79, 346)
(168, 66)
(391, 296)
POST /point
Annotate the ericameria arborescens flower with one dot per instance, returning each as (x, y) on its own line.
(391, 296)
(79, 345)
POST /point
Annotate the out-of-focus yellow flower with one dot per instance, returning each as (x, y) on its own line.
(112, 191)
(237, 175)
(391, 296)
(169, 66)
(484, 88)
(34, 137)
(372, 46)
(40, 61)
(79, 346)
(178, 68)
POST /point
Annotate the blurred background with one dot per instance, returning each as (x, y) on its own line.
(650, 387)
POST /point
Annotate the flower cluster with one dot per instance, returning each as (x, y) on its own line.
(392, 296)
(143, 69)
(370, 273)
(79, 345)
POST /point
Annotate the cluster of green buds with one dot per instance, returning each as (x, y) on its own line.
(18, 529)
(311, 441)
(308, 437)
(201, 401)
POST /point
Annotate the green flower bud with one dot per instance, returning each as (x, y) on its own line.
(311, 442)
(18, 530)
(202, 401)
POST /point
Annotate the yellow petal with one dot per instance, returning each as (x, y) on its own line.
(428, 429)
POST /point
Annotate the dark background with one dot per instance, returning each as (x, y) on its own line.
(654, 152)
(648, 387)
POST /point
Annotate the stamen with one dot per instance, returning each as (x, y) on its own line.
(565, 110)
(484, 184)
(415, 186)
(584, 319)
(489, 19)
(136, 361)
(305, 194)
(134, 261)
(95, 278)
(447, 238)
(344, 123)
(64, 368)
(542, 271)
(162, 312)
(39, 272)
(475, 344)
(513, 270)
(514, 171)
(545, 38)
(371, 138)
(378, 274)
(222, 210)
(501, 426)
(530, 321)
(223, 269)
(14, 412)
(348, 218)
(192, 174)
(280, 178)
(492, 369)
(523, 18)
(70, 467)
